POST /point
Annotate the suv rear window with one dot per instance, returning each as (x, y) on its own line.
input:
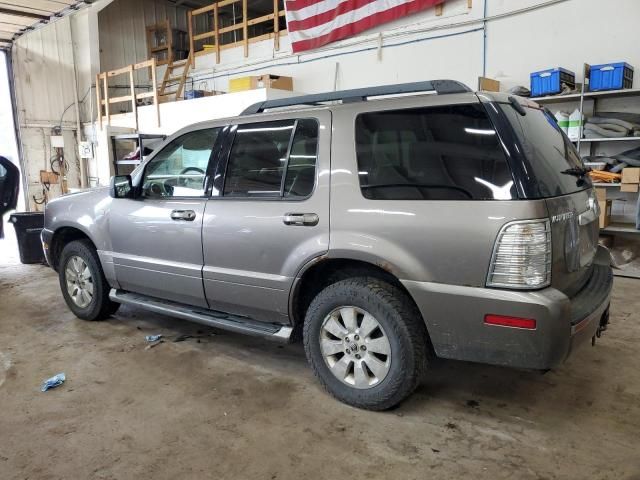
(548, 150)
(436, 153)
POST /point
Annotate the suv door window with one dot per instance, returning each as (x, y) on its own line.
(179, 170)
(263, 152)
(436, 153)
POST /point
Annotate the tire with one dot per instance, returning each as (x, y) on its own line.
(399, 321)
(98, 306)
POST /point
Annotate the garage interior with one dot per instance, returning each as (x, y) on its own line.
(91, 88)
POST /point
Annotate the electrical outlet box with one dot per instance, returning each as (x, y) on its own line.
(57, 141)
(85, 149)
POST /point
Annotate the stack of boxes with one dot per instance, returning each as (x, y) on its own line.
(630, 179)
(605, 207)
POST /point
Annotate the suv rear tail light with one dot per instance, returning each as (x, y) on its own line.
(522, 256)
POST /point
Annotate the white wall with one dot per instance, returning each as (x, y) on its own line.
(522, 36)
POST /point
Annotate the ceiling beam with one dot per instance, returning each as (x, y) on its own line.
(21, 13)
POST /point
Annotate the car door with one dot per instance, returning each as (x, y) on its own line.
(9, 187)
(157, 236)
(269, 214)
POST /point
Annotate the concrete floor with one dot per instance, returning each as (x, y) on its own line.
(226, 406)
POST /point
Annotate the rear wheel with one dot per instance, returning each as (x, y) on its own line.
(366, 342)
(82, 281)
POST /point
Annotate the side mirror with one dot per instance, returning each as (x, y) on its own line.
(121, 187)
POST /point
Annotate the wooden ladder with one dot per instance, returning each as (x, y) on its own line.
(170, 78)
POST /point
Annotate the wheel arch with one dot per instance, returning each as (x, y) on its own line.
(61, 237)
(324, 271)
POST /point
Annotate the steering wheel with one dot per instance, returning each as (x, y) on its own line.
(183, 181)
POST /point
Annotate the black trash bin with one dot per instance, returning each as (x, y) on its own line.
(28, 226)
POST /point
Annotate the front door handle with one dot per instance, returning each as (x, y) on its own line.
(185, 215)
(301, 219)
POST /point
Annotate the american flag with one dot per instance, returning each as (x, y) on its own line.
(313, 23)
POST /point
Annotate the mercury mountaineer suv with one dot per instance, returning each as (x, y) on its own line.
(383, 227)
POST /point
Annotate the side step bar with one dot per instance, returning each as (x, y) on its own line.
(233, 323)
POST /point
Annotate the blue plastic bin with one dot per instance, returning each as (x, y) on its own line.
(549, 82)
(193, 94)
(611, 76)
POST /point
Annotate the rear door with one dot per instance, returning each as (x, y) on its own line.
(268, 214)
(553, 167)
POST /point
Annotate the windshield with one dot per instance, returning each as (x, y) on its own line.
(553, 159)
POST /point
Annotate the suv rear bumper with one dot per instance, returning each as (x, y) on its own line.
(454, 316)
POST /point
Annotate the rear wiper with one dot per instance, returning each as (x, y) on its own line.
(577, 171)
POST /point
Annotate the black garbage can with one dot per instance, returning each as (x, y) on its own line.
(28, 226)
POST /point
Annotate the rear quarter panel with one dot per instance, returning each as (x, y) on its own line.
(429, 241)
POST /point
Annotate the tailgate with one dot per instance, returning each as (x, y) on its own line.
(574, 235)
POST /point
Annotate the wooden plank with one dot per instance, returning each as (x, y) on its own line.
(134, 102)
(122, 99)
(216, 29)
(191, 42)
(99, 100)
(141, 65)
(201, 10)
(231, 28)
(224, 3)
(158, 49)
(264, 18)
(142, 95)
(182, 82)
(245, 28)
(469, 3)
(107, 109)
(118, 71)
(276, 25)
(439, 9)
(154, 84)
(202, 36)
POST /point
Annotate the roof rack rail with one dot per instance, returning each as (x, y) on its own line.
(361, 94)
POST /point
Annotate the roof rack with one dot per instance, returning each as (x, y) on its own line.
(361, 94)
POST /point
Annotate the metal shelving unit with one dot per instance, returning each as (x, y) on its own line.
(615, 228)
(137, 139)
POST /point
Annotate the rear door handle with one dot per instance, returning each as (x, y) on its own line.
(301, 219)
(185, 215)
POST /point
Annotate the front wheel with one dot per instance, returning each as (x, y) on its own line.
(366, 342)
(82, 281)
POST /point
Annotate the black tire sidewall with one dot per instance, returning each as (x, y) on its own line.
(404, 369)
(99, 306)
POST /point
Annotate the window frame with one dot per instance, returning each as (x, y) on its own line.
(225, 157)
(501, 146)
(214, 158)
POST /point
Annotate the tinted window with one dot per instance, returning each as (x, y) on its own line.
(262, 151)
(301, 168)
(549, 152)
(179, 170)
(436, 153)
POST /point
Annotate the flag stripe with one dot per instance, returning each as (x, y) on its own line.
(328, 16)
(313, 23)
(347, 18)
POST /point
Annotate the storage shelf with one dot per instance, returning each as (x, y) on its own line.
(603, 184)
(606, 139)
(620, 228)
(627, 92)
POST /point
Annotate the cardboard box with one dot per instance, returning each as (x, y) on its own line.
(631, 175)
(605, 212)
(488, 84)
(601, 194)
(629, 187)
(262, 81)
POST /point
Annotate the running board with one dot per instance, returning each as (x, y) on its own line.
(233, 323)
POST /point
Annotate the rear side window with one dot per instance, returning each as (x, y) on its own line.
(549, 152)
(273, 159)
(435, 153)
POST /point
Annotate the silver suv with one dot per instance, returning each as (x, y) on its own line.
(384, 227)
